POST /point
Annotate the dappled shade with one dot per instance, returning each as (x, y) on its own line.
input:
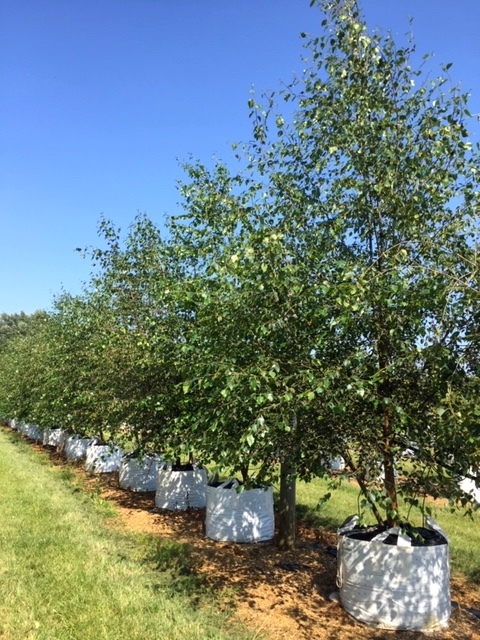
(141, 473)
(76, 447)
(245, 516)
(103, 458)
(180, 490)
(394, 586)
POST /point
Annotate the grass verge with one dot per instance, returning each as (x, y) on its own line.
(64, 574)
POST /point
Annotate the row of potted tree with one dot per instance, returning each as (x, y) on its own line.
(321, 301)
(232, 515)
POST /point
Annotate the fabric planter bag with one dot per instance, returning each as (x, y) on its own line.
(34, 433)
(468, 486)
(51, 437)
(103, 458)
(27, 431)
(245, 516)
(337, 464)
(62, 441)
(22, 428)
(76, 447)
(140, 473)
(390, 581)
(181, 489)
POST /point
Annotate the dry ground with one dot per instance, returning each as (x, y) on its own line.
(285, 595)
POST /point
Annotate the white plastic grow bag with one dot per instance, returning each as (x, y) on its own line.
(394, 586)
(239, 517)
(27, 430)
(76, 447)
(62, 440)
(337, 464)
(51, 437)
(34, 432)
(180, 490)
(103, 458)
(22, 428)
(140, 474)
(468, 486)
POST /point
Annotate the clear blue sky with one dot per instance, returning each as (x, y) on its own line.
(99, 99)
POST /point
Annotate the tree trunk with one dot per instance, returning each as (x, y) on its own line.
(388, 434)
(389, 471)
(287, 519)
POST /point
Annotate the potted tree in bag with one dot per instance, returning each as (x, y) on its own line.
(181, 486)
(378, 158)
(236, 512)
(139, 471)
(103, 457)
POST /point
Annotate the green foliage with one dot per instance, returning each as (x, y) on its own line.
(462, 531)
(335, 280)
(320, 301)
(13, 325)
(24, 357)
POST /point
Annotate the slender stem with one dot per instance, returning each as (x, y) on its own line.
(363, 487)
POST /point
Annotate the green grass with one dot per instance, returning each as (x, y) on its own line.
(463, 532)
(65, 574)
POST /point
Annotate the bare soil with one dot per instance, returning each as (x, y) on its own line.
(284, 595)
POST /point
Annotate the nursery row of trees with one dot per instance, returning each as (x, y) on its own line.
(321, 300)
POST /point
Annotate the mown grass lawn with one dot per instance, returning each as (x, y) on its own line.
(65, 574)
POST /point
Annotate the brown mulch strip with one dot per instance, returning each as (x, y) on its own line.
(279, 594)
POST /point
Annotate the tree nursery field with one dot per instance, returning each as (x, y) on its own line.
(127, 545)
(311, 312)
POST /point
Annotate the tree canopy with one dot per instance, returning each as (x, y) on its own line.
(319, 300)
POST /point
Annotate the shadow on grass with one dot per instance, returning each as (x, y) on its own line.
(174, 563)
(317, 517)
(473, 574)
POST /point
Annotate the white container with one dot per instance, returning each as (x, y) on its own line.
(468, 486)
(76, 447)
(233, 516)
(394, 586)
(337, 464)
(62, 441)
(28, 431)
(140, 473)
(34, 433)
(23, 428)
(51, 437)
(180, 490)
(103, 458)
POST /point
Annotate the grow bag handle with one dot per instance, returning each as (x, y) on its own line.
(233, 482)
(349, 524)
(402, 539)
(433, 524)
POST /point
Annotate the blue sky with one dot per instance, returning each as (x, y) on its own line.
(101, 99)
